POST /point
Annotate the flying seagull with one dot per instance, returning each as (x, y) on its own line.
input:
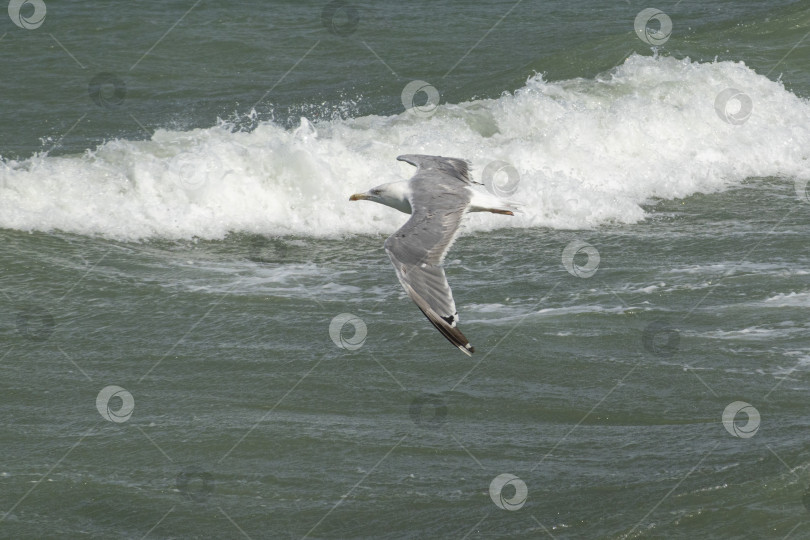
(437, 197)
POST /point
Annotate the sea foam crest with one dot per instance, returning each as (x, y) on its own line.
(587, 151)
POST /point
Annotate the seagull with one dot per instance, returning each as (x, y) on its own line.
(437, 197)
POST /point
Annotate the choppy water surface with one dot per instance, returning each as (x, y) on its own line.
(203, 338)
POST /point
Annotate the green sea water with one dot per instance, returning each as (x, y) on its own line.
(174, 366)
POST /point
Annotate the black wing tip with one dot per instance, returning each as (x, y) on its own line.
(451, 333)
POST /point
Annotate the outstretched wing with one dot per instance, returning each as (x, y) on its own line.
(450, 167)
(418, 248)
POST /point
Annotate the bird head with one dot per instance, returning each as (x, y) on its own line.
(374, 194)
(394, 194)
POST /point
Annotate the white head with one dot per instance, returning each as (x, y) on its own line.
(394, 194)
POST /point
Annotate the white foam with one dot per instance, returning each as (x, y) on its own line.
(588, 152)
(503, 315)
(792, 299)
(753, 333)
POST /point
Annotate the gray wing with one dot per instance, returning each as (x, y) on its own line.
(450, 167)
(417, 249)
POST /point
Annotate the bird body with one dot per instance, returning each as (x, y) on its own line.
(437, 197)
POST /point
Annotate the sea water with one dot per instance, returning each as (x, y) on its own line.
(203, 337)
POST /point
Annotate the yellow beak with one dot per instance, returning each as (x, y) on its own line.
(358, 197)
